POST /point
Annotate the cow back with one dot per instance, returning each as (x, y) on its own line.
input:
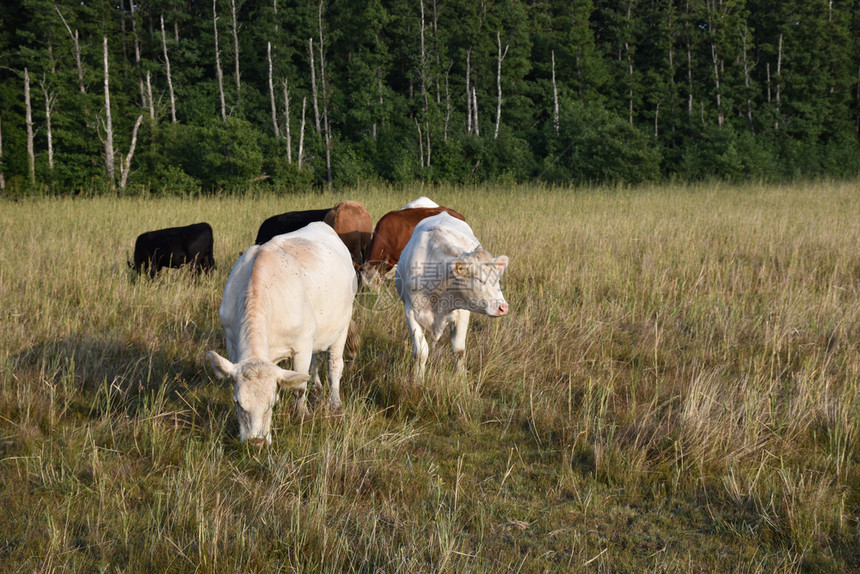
(353, 224)
(287, 222)
(393, 231)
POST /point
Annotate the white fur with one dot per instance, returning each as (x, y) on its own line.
(442, 276)
(422, 201)
(288, 298)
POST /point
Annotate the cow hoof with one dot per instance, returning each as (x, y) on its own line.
(335, 411)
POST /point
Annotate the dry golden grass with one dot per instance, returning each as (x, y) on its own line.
(675, 389)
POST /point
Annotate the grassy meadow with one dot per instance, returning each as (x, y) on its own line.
(676, 389)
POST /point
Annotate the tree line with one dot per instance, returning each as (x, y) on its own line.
(159, 96)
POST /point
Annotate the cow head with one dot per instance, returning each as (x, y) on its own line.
(255, 392)
(476, 282)
(374, 274)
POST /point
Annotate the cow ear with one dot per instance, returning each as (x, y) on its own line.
(223, 368)
(501, 263)
(289, 380)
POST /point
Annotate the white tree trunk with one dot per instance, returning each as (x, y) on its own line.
(468, 90)
(715, 59)
(76, 41)
(778, 81)
(420, 143)
(125, 167)
(629, 55)
(2, 175)
(272, 92)
(302, 134)
(325, 101)
(475, 110)
(554, 97)
(109, 159)
(499, 83)
(28, 111)
(149, 96)
(314, 85)
(50, 99)
(219, 73)
(447, 104)
(143, 100)
(169, 77)
(423, 63)
(747, 79)
(287, 133)
(236, 49)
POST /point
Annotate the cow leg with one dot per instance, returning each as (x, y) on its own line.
(420, 348)
(335, 371)
(459, 328)
(302, 364)
(316, 387)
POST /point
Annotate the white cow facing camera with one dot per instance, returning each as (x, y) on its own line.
(443, 275)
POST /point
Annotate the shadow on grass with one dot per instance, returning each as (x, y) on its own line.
(89, 378)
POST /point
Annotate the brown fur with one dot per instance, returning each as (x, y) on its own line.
(353, 340)
(354, 226)
(392, 233)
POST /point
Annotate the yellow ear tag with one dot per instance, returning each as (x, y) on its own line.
(458, 268)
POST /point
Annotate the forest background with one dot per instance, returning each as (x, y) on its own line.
(178, 97)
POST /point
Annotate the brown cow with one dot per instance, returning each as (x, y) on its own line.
(353, 225)
(391, 235)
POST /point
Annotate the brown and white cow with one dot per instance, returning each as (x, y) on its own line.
(352, 222)
(444, 274)
(422, 201)
(390, 236)
(288, 298)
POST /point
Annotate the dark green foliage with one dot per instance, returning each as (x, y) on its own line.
(594, 145)
(736, 89)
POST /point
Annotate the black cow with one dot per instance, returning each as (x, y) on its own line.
(287, 222)
(174, 247)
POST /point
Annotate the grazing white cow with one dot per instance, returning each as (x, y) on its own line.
(422, 201)
(443, 274)
(288, 298)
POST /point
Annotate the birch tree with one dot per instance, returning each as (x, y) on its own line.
(314, 85)
(28, 111)
(235, 30)
(425, 161)
(50, 100)
(500, 59)
(2, 172)
(77, 53)
(287, 134)
(272, 92)
(169, 77)
(327, 134)
(554, 97)
(125, 166)
(302, 134)
(109, 158)
(219, 74)
(468, 90)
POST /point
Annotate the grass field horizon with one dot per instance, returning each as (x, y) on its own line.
(676, 389)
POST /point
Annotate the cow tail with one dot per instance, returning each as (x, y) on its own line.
(353, 340)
